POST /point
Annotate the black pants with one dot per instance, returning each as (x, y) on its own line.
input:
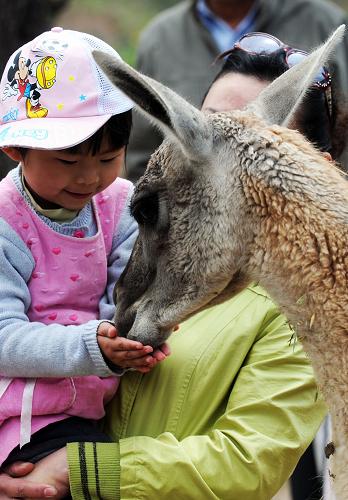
(305, 481)
(56, 436)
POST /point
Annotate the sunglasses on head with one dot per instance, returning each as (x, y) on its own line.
(265, 44)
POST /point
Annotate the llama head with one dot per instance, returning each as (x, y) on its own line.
(196, 226)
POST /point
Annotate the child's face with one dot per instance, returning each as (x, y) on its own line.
(71, 179)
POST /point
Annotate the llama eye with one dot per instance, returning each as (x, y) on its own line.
(145, 210)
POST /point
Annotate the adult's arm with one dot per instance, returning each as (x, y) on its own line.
(33, 349)
(272, 415)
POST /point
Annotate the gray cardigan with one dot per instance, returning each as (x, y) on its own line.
(178, 50)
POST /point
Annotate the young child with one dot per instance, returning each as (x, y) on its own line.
(65, 236)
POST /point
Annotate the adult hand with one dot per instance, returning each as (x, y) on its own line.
(13, 486)
(47, 479)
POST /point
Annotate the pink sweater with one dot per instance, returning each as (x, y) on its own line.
(69, 278)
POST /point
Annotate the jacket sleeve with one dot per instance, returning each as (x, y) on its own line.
(50, 350)
(122, 246)
(272, 415)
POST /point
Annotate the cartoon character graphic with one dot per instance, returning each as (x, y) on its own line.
(25, 79)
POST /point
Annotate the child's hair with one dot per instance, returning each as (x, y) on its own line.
(317, 119)
(116, 131)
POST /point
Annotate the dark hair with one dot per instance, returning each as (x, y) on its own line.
(116, 131)
(314, 119)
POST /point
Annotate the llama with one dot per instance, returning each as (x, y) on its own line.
(236, 197)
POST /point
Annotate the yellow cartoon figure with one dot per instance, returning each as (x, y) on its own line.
(46, 72)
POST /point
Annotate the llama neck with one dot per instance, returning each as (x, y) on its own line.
(298, 201)
(301, 260)
(300, 256)
(299, 212)
(303, 267)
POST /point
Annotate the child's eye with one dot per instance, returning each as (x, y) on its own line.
(108, 160)
(67, 162)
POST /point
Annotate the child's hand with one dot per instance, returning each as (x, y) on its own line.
(162, 352)
(126, 353)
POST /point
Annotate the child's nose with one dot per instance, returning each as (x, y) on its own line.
(88, 176)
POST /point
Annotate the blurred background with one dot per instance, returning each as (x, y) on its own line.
(118, 22)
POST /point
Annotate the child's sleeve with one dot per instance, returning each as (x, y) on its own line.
(123, 241)
(33, 349)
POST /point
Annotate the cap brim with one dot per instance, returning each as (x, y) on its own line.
(50, 133)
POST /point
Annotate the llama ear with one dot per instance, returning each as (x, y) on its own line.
(167, 110)
(278, 103)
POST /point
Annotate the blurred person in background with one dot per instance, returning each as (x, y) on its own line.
(21, 21)
(180, 44)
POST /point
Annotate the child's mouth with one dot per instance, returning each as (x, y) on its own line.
(79, 196)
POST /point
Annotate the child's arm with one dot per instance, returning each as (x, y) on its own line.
(123, 241)
(50, 350)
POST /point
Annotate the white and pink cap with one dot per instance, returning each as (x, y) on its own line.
(52, 93)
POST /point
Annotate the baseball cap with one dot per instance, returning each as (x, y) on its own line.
(52, 93)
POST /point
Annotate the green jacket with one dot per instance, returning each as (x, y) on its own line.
(226, 416)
